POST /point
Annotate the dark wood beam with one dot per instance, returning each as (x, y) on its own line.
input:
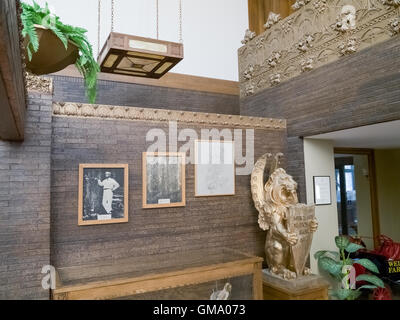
(12, 84)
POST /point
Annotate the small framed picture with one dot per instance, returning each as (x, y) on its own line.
(214, 168)
(322, 190)
(103, 194)
(163, 179)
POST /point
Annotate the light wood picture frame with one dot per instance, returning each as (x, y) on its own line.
(213, 179)
(164, 179)
(103, 196)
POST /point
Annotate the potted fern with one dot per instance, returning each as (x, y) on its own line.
(341, 267)
(51, 45)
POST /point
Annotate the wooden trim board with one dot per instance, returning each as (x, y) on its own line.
(170, 80)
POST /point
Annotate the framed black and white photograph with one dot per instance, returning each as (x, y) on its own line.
(103, 194)
(163, 179)
(322, 190)
(214, 168)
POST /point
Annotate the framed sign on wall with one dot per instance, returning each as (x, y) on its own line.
(322, 190)
(163, 179)
(103, 194)
(214, 168)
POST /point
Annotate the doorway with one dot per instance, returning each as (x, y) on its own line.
(356, 194)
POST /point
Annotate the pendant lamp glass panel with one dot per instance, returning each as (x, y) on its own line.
(138, 56)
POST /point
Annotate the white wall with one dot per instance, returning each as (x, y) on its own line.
(388, 186)
(363, 196)
(212, 29)
(319, 161)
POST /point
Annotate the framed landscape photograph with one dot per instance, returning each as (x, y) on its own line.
(103, 194)
(322, 190)
(163, 179)
(214, 168)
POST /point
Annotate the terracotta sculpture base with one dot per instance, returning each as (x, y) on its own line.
(312, 287)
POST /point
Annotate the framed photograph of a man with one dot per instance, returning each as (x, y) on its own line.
(163, 179)
(103, 194)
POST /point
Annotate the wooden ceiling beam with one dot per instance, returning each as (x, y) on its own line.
(12, 83)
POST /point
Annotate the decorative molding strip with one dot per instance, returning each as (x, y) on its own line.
(318, 33)
(160, 115)
(39, 84)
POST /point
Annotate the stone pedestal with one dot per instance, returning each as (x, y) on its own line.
(311, 287)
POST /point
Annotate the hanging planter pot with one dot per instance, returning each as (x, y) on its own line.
(52, 55)
(51, 45)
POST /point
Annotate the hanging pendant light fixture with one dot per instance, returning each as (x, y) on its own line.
(138, 56)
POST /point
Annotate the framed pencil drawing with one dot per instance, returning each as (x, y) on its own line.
(214, 168)
(163, 179)
(103, 194)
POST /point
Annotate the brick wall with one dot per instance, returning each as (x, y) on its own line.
(357, 90)
(25, 205)
(204, 222)
(70, 89)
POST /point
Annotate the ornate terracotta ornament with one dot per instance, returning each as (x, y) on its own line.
(71, 109)
(393, 3)
(38, 84)
(299, 4)
(307, 65)
(272, 19)
(348, 47)
(323, 29)
(289, 224)
(248, 36)
(347, 19)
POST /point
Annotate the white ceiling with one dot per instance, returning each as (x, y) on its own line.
(384, 135)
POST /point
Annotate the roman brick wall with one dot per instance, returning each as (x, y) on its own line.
(357, 90)
(71, 89)
(25, 204)
(211, 222)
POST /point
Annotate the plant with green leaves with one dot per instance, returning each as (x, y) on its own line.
(339, 265)
(35, 15)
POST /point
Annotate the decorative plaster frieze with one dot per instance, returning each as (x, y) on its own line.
(324, 30)
(38, 84)
(68, 109)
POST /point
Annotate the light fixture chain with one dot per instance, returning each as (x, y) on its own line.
(157, 19)
(180, 22)
(98, 27)
(112, 14)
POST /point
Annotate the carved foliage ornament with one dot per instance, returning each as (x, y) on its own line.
(38, 84)
(347, 19)
(394, 26)
(248, 36)
(299, 4)
(272, 19)
(348, 47)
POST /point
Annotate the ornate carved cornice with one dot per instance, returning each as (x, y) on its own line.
(319, 32)
(39, 84)
(160, 115)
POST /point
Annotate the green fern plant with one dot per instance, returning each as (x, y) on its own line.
(86, 64)
(337, 264)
